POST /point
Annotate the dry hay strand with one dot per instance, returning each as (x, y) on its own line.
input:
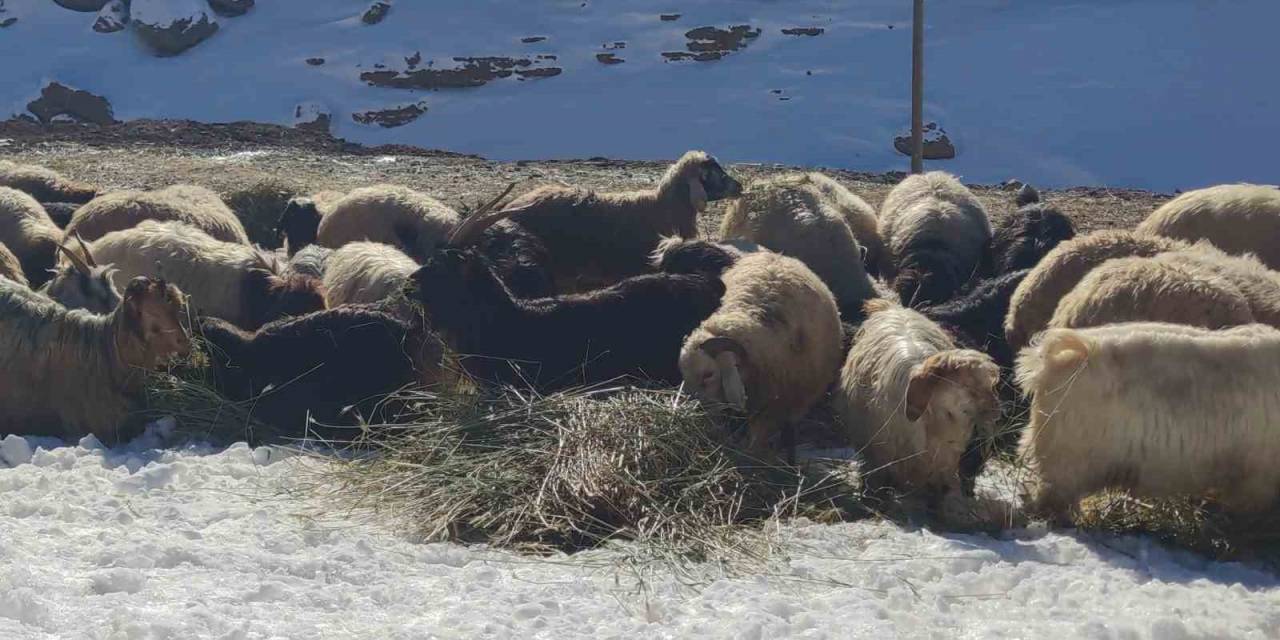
(571, 471)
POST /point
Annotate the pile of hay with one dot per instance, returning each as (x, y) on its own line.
(572, 471)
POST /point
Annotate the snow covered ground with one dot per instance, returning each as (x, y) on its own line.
(1158, 94)
(145, 541)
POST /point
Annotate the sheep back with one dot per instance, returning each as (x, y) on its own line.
(1035, 300)
(860, 216)
(195, 206)
(934, 227)
(391, 214)
(366, 273)
(27, 230)
(45, 185)
(1152, 289)
(1259, 285)
(1237, 218)
(791, 215)
(1159, 409)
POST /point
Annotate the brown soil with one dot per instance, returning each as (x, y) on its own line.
(152, 154)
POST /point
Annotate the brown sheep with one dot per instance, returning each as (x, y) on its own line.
(196, 206)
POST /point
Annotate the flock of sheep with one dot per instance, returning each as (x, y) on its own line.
(1150, 359)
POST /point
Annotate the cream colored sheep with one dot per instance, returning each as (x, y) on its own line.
(860, 216)
(771, 349)
(596, 239)
(68, 373)
(10, 267)
(196, 206)
(1152, 289)
(1237, 218)
(398, 216)
(228, 280)
(29, 233)
(44, 184)
(366, 273)
(1158, 409)
(1035, 300)
(1259, 285)
(793, 216)
(910, 401)
(935, 233)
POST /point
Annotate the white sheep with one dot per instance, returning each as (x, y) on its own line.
(29, 233)
(366, 273)
(1035, 300)
(1259, 285)
(394, 215)
(771, 349)
(1237, 218)
(596, 239)
(793, 216)
(1153, 289)
(43, 184)
(860, 216)
(68, 373)
(910, 401)
(228, 280)
(196, 206)
(10, 267)
(1158, 409)
(935, 233)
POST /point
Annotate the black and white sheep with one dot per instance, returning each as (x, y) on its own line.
(599, 238)
(228, 280)
(334, 365)
(196, 206)
(1237, 218)
(1159, 409)
(634, 328)
(1022, 238)
(791, 215)
(45, 185)
(299, 223)
(29, 233)
(935, 233)
(70, 373)
(771, 349)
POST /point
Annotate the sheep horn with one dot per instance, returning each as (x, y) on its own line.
(88, 255)
(75, 259)
(717, 345)
(469, 230)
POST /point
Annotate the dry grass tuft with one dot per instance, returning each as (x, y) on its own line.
(574, 471)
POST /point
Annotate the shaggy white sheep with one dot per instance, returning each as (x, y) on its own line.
(1237, 218)
(398, 216)
(366, 273)
(196, 206)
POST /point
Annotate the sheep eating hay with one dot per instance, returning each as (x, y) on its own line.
(791, 215)
(68, 373)
(771, 349)
(910, 401)
(935, 233)
(596, 239)
(1237, 218)
(196, 206)
(1173, 430)
(43, 184)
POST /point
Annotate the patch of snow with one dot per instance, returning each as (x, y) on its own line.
(1160, 94)
(155, 540)
(241, 156)
(385, 159)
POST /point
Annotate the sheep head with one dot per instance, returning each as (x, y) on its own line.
(1025, 237)
(298, 223)
(716, 371)
(951, 393)
(928, 276)
(699, 178)
(151, 323)
(82, 284)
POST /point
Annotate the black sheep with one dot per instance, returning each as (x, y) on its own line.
(520, 258)
(298, 224)
(1024, 237)
(676, 255)
(321, 364)
(60, 212)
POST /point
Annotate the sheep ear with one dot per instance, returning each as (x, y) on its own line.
(920, 391)
(735, 392)
(697, 193)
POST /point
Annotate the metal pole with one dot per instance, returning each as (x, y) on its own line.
(917, 87)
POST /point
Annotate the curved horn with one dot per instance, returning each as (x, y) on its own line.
(88, 255)
(75, 259)
(469, 230)
(717, 345)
